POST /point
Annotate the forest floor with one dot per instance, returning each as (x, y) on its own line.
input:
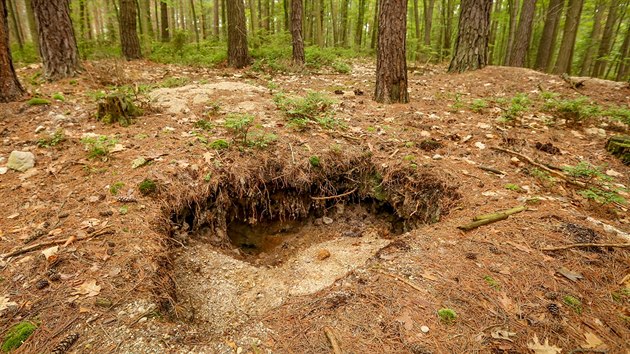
(349, 257)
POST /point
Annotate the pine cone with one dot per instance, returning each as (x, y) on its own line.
(471, 255)
(42, 283)
(553, 309)
(65, 344)
(127, 199)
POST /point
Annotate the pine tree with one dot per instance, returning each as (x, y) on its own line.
(238, 54)
(471, 49)
(10, 88)
(391, 62)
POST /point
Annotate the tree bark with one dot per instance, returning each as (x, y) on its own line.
(215, 18)
(166, 36)
(238, 55)
(194, 22)
(335, 27)
(448, 27)
(471, 49)
(513, 8)
(374, 37)
(607, 40)
(565, 54)
(391, 62)
(624, 65)
(596, 33)
(32, 26)
(358, 35)
(10, 88)
(523, 34)
(428, 20)
(128, 31)
(344, 22)
(296, 32)
(548, 38)
(57, 43)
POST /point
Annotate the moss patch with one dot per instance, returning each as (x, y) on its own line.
(17, 335)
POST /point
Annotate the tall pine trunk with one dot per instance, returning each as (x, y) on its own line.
(391, 62)
(128, 31)
(471, 49)
(523, 34)
(593, 39)
(165, 30)
(15, 27)
(358, 34)
(624, 65)
(296, 32)
(238, 55)
(513, 8)
(607, 40)
(565, 54)
(57, 43)
(10, 88)
(548, 38)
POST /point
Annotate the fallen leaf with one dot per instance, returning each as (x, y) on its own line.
(5, 303)
(540, 348)
(502, 334)
(406, 320)
(574, 276)
(592, 341)
(49, 252)
(88, 288)
(506, 303)
(429, 276)
(520, 247)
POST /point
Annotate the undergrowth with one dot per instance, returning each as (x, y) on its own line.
(315, 107)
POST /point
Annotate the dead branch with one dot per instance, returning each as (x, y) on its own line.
(541, 166)
(493, 170)
(333, 340)
(414, 286)
(581, 245)
(508, 212)
(486, 219)
(37, 246)
(335, 196)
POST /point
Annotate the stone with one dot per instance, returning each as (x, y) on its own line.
(438, 157)
(327, 220)
(39, 129)
(424, 329)
(21, 161)
(3, 170)
(323, 254)
(595, 131)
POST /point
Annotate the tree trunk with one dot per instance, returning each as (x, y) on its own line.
(549, 34)
(195, 22)
(112, 19)
(145, 7)
(607, 40)
(494, 25)
(565, 54)
(285, 7)
(57, 44)
(166, 36)
(594, 38)
(624, 65)
(15, 27)
(296, 32)
(238, 55)
(358, 35)
(513, 8)
(391, 62)
(374, 37)
(344, 22)
(128, 31)
(253, 21)
(215, 17)
(319, 28)
(448, 27)
(523, 34)
(335, 27)
(471, 49)
(10, 88)
(224, 20)
(32, 26)
(428, 21)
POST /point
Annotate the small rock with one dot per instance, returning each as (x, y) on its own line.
(327, 220)
(480, 145)
(39, 129)
(515, 161)
(438, 157)
(93, 199)
(424, 329)
(611, 173)
(595, 131)
(323, 254)
(425, 134)
(484, 126)
(3, 170)
(21, 161)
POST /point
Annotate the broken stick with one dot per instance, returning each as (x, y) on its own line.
(333, 340)
(580, 245)
(37, 246)
(486, 219)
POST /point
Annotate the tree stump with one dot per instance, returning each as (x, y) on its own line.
(620, 146)
(117, 107)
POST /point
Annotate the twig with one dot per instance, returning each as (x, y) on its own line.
(581, 245)
(333, 340)
(493, 170)
(553, 172)
(292, 154)
(486, 219)
(414, 286)
(335, 196)
(508, 212)
(37, 246)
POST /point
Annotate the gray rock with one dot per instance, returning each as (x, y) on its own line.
(327, 220)
(21, 161)
(3, 170)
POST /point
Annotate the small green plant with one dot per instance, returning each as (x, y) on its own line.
(478, 105)
(58, 96)
(573, 303)
(602, 196)
(219, 144)
(314, 161)
(518, 104)
(335, 148)
(341, 67)
(116, 187)
(98, 146)
(543, 176)
(457, 104)
(17, 335)
(239, 125)
(314, 107)
(213, 108)
(207, 177)
(173, 82)
(621, 114)
(409, 158)
(123, 210)
(147, 186)
(492, 282)
(37, 101)
(260, 139)
(117, 107)
(447, 315)
(585, 170)
(574, 111)
(204, 124)
(514, 187)
(53, 140)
